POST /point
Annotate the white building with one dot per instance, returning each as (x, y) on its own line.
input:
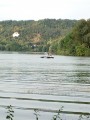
(15, 34)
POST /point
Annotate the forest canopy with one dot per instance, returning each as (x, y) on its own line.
(33, 35)
(66, 37)
(77, 42)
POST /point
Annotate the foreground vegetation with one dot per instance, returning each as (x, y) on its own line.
(65, 37)
(10, 114)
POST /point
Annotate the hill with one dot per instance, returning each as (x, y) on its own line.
(33, 35)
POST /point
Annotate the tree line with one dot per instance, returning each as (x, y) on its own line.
(64, 37)
(77, 42)
(34, 35)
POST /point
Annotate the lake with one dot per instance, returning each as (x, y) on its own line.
(28, 82)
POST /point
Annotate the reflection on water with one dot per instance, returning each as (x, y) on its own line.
(27, 79)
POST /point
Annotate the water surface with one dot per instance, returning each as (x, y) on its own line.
(29, 82)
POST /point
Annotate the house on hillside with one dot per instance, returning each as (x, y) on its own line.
(15, 34)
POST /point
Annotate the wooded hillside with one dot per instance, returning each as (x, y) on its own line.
(77, 42)
(33, 35)
(65, 37)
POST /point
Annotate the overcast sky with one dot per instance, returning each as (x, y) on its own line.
(41, 9)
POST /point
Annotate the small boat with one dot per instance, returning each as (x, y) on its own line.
(47, 56)
(43, 56)
(50, 57)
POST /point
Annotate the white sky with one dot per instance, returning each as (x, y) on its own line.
(41, 9)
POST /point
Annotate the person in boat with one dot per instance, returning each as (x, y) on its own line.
(49, 54)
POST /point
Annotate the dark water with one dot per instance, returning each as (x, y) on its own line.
(28, 82)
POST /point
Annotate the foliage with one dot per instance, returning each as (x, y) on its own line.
(65, 37)
(34, 35)
(76, 42)
(58, 115)
(36, 114)
(10, 113)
